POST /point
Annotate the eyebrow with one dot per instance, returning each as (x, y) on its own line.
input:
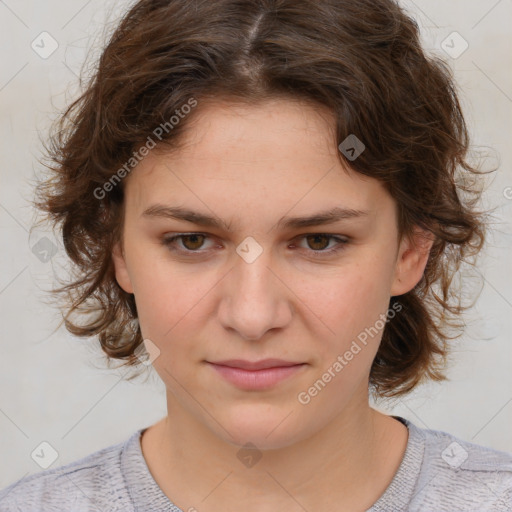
(320, 218)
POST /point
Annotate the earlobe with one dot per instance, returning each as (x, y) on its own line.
(411, 261)
(121, 270)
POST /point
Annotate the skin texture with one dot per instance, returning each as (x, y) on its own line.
(251, 165)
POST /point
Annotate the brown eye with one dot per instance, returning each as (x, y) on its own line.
(192, 242)
(318, 242)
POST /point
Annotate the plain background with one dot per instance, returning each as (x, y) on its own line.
(56, 388)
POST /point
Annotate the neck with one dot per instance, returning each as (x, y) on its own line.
(350, 462)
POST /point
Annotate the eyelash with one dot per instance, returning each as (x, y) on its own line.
(169, 242)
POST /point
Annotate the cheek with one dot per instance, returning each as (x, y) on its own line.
(167, 302)
(173, 306)
(350, 304)
(351, 299)
(168, 315)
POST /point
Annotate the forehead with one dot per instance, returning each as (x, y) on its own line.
(275, 130)
(277, 155)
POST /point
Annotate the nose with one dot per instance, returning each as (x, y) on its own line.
(255, 298)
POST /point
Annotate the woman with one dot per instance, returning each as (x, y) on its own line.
(269, 197)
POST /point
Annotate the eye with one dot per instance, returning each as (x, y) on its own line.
(193, 242)
(318, 243)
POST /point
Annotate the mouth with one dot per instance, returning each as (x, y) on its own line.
(263, 364)
(256, 375)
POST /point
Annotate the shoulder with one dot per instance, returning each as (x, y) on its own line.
(94, 482)
(460, 475)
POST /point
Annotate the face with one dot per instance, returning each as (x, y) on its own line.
(256, 285)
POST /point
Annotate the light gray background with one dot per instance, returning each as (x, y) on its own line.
(54, 387)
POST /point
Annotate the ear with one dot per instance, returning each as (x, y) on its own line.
(411, 261)
(121, 270)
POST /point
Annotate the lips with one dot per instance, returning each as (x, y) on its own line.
(256, 375)
(256, 365)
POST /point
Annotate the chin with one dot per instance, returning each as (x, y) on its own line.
(265, 427)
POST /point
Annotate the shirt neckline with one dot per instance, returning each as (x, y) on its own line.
(400, 491)
(147, 495)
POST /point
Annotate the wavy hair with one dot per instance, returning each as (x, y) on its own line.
(362, 60)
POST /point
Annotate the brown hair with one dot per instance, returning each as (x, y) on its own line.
(362, 60)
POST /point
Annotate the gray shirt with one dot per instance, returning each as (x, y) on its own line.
(438, 473)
